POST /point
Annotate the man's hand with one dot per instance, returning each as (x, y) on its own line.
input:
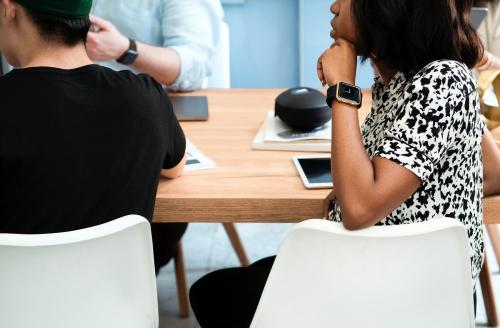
(338, 64)
(107, 43)
(327, 203)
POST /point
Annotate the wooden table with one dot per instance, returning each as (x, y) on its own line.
(256, 186)
(248, 185)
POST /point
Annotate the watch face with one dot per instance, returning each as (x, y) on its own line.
(349, 92)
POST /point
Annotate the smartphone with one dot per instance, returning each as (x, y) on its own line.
(315, 172)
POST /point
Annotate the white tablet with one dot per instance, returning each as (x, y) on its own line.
(315, 171)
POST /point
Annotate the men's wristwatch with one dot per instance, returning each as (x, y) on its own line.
(344, 93)
(129, 57)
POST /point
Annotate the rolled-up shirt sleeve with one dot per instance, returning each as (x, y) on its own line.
(191, 28)
(425, 124)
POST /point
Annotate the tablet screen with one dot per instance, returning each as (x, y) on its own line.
(478, 15)
(190, 108)
(316, 170)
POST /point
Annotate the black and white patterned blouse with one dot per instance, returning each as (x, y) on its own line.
(430, 123)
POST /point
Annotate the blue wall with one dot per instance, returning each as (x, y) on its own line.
(264, 43)
(275, 43)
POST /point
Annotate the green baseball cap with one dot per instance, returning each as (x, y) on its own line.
(61, 8)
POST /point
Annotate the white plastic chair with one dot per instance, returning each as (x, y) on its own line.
(409, 276)
(4, 66)
(97, 277)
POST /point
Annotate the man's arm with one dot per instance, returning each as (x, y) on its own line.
(176, 171)
(109, 44)
(190, 31)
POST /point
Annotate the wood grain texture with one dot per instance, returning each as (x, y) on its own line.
(491, 206)
(248, 185)
(488, 294)
(180, 276)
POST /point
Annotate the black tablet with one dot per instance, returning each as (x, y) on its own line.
(478, 16)
(190, 108)
(315, 172)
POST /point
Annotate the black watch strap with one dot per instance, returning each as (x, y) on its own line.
(129, 57)
(331, 95)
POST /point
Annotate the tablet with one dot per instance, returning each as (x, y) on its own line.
(478, 15)
(315, 172)
(190, 108)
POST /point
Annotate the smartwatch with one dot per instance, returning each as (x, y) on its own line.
(129, 57)
(345, 93)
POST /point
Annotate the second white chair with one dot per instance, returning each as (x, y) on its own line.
(411, 276)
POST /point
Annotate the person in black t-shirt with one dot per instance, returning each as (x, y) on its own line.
(80, 144)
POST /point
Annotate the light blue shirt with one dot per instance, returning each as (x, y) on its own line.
(189, 27)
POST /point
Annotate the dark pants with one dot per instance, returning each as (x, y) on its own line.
(228, 298)
(166, 236)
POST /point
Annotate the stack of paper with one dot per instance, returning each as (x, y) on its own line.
(276, 135)
(196, 160)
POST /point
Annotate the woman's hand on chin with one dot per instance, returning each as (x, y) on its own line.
(338, 64)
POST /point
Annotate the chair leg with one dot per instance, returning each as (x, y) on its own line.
(236, 242)
(180, 275)
(494, 235)
(488, 295)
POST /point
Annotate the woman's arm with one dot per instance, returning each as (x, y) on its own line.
(489, 61)
(491, 166)
(366, 190)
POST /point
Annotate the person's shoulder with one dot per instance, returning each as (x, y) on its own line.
(13, 80)
(126, 78)
(445, 74)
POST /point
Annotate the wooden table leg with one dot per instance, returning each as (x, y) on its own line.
(236, 242)
(180, 275)
(488, 295)
(494, 235)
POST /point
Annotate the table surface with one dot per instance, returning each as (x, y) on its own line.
(247, 185)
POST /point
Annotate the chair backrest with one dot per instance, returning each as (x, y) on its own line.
(4, 66)
(411, 276)
(97, 277)
(220, 62)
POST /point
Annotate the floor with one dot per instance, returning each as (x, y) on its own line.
(207, 248)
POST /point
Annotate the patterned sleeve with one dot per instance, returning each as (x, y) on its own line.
(425, 124)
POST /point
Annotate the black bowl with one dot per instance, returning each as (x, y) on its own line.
(303, 109)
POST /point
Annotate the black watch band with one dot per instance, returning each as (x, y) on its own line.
(331, 95)
(129, 57)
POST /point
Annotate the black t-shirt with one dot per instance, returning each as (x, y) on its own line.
(81, 147)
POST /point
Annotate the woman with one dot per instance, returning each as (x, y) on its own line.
(418, 155)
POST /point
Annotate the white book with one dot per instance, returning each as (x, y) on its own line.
(277, 130)
(307, 144)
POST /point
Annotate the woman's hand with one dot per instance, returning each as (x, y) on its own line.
(338, 64)
(107, 43)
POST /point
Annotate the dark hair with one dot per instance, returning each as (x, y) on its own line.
(406, 35)
(67, 31)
